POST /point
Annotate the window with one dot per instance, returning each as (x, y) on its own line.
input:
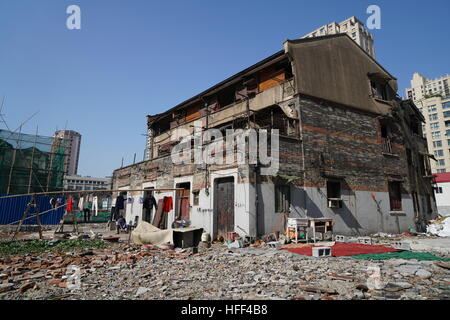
(196, 197)
(447, 133)
(434, 126)
(448, 142)
(436, 135)
(441, 170)
(437, 144)
(437, 189)
(446, 114)
(395, 195)
(441, 162)
(385, 140)
(446, 105)
(379, 90)
(333, 189)
(439, 153)
(432, 108)
(433, 116)
(282, 198)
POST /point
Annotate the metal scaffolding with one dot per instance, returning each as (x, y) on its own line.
(30, 163)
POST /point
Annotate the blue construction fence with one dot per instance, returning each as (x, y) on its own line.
(12, 209)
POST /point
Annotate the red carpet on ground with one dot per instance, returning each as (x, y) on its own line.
(346, 249)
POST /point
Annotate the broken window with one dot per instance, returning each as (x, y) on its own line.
(379, 90)
(165, 149)
(179, 117)
(247, 89)
(226, 97)
(161, 126)
(282, 198)
(275, 118)
(395, 195)
(385, 138)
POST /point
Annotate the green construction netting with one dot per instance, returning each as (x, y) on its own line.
(30, 163)
(102, 217)
(422, 256)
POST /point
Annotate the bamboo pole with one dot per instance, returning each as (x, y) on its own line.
(85, 191)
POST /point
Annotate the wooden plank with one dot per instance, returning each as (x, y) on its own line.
(158, 216)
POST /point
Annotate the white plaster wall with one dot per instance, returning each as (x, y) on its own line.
(360, 214)
(202, 215)
(443, 199)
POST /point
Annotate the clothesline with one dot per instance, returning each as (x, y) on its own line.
(86, 191)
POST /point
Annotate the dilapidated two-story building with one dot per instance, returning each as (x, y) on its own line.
(349, 148)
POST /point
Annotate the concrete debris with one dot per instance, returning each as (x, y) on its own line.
(236, 244)
(440, 227)
(385, 235)
(423, 274)
(4, 287)
(442, 264)
(141, 290)
(147, 272)
(274, 245)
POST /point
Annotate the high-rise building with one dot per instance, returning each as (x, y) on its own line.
(432, 97)
(353, 28)
(73, 143)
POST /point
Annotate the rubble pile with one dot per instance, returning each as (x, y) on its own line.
(148, 272)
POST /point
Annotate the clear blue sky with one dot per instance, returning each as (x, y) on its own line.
(137, 57)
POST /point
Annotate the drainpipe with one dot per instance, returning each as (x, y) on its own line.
(206, 165)
(305, 200)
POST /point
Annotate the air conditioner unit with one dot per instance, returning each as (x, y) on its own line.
(334, 203)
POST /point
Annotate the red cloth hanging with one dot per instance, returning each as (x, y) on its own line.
(69, 204)
(168, 204)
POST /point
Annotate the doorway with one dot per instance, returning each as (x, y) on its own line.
(183, 201)
(224, 206)
(148, 209)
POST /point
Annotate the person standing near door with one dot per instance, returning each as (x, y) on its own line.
(120, 205)
(148, 204)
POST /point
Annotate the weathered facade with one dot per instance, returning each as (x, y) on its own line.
(349, 148)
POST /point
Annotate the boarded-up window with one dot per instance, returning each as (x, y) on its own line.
(192, 113)
(282, 198)
(270, 78)
(395, 195)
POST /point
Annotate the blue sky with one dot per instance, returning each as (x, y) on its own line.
(138, 57)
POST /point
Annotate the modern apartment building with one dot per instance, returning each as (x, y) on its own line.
(86, 183)
(432, 97)
(351, 26)
(73, 143)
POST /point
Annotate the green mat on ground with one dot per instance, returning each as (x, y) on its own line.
(400, 255)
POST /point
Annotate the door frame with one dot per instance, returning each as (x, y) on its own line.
(215, 203)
